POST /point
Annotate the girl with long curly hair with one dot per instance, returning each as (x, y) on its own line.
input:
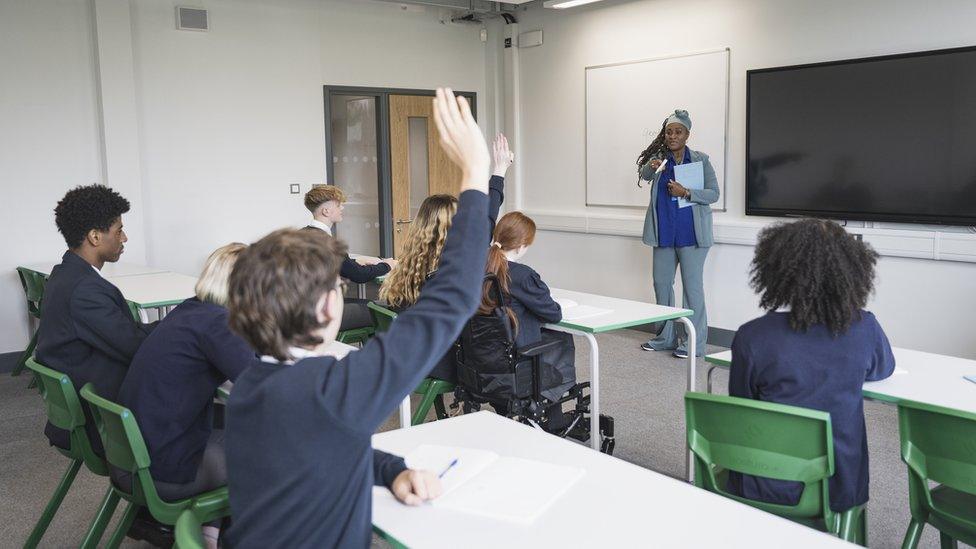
(422, 252)
(815, 347)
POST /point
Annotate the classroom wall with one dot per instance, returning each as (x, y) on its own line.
(923, 304)
(203, 131)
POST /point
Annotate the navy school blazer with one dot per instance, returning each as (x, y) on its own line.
(87, 332)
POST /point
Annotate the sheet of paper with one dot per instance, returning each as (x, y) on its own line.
(565, 303)
(583, 311)
(691, 176)
(970, 378)
(512, 489)
(436, 459)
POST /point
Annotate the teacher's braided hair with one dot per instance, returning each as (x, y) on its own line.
(818, 270)
(655, 149)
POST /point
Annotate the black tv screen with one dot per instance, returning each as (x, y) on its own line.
(880, 139)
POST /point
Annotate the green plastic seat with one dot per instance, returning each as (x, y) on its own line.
(432, 389)
(64, 411)
(773, 441)
(356, 335)
(939, 446)
(125, 449)
(188, 532)
(33, 283)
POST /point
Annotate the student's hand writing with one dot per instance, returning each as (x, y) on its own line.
(415, 487)
(462, 140)
(391, 262)
(502, 156)
(676, 189)
(367, 260)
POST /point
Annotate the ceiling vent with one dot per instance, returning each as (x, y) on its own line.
(193, 19)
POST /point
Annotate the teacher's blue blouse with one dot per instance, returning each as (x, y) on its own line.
(675, 226)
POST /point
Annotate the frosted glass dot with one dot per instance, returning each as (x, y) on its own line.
(365, 159)
(345, 159)
(355, 159)
(335, 159)
(377, 225)
(374, 159)
(367, 224)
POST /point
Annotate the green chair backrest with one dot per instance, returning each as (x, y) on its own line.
(64, 412)
(188, 531)
(133, 310)
(382, 316)
(939, 445)
(762, 439)
(33, 283)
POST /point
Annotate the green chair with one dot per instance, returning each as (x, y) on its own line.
(939, 447)
(64, 411)
(433, 390)
(125, 449)
(188, 532)
(356, 335)
(33, 283)
(773, 441)
(133, 310)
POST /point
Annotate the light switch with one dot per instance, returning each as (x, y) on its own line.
(295, 188)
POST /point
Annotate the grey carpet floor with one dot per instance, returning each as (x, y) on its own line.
(642, 391)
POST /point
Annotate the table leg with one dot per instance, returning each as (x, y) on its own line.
(594, 383)
(361, 291)
(405, 412)
(143, 315)
(692, 343)
(708, 378)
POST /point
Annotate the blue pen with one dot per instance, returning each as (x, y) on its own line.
(444, 472)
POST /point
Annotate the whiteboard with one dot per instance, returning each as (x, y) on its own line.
(625, 106)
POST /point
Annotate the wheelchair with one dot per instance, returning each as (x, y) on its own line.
(493, 371)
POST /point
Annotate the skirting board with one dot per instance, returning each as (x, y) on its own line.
(918, 244)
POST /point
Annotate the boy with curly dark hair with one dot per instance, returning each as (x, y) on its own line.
(815, 347)
(86, 329)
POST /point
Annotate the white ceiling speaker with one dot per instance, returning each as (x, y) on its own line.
(194, 19)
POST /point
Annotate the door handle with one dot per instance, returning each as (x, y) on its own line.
(404, 221)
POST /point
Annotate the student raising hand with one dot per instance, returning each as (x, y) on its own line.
(462, 140)
(502, 156)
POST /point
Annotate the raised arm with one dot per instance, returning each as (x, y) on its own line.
(363, 388)
(502, 159)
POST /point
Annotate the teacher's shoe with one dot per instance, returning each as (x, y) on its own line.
(655, 345)
(681, 352)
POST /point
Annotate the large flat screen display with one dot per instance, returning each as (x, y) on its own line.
(879, 139)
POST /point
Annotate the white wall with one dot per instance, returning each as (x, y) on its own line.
(203, 132)
(923, 304)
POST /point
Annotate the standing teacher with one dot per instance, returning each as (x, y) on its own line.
(678, 235)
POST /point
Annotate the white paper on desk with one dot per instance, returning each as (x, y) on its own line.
(583, 311)
(565, 303)
(502, 488)
(691, 176)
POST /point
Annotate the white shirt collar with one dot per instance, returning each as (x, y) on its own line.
(335, 349)
(318, 224)
(97, 271)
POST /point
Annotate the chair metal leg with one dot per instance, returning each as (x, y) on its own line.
(123, 528)
(946, 541)
(104, 515)
(53, 504)
(708, 378)
(439, 409)
(913, 534)
(22, 363)
(421, 413)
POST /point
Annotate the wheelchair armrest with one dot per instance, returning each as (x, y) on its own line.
(537, 349)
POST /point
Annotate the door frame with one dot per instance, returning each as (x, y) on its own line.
(383, 152)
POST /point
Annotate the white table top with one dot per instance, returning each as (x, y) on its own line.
(615, 504)
(624, 313)
(156, 289)
(109, 270)
(922, 377)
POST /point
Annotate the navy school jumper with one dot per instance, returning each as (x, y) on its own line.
(299, 455)
(812, 369)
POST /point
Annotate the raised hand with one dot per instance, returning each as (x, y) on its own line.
(502, 156)
(462, 139)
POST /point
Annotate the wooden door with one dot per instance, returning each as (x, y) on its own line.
(419, 166)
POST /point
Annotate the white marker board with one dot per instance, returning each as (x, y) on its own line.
(625, 106)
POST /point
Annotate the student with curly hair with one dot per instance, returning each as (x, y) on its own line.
(86, 329)
(422, 252)
(815, 347)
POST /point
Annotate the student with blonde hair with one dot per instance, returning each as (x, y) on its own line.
(425, 242)
(327, 204)
(171, 384)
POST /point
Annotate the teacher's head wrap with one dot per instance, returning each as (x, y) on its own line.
(679, 117)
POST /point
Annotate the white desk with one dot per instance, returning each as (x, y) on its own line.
(615, 504)
(361, 287)
(624, 313)
(921, 377)
(156, 290)
(109, 270)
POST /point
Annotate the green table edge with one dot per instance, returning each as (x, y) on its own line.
(640, 322)
(164, 303)
(392, 540)
(717, 361)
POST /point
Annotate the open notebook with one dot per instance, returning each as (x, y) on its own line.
(574, 311)
(486, 484)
